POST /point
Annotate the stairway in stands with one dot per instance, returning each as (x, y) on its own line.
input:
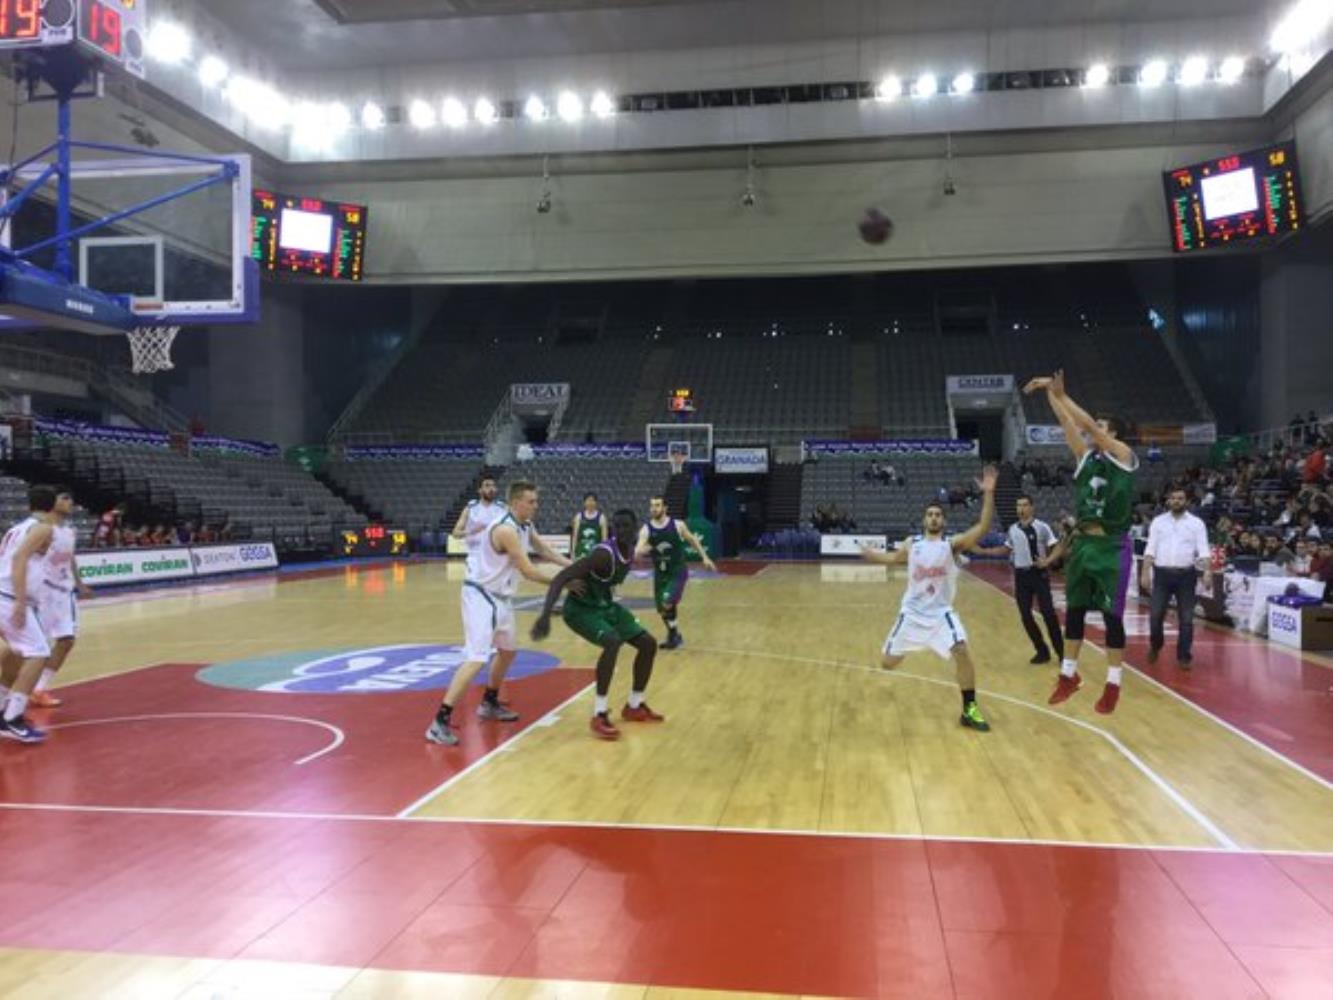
(867, 423)
(677, 493)
(1008, 488)
(784, 496)
(649, 402)
(357, 502)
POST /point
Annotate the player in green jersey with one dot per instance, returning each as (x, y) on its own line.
(591, 611)
(588, 529)
(667, 539)
(1101, 553)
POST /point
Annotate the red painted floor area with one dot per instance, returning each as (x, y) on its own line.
(170, 756)
(792, 914)
(1268, 692)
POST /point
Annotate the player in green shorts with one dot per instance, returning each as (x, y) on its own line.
(666, 539)
(588, 529)
(1101, 554)
(591, 611)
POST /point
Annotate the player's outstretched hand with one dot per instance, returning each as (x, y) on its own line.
(989, 476)
(85, 591)
(709, 564)
(1058, 384)
(1037, 384)
(541, 628)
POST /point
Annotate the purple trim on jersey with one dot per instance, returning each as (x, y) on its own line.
(1126, 567)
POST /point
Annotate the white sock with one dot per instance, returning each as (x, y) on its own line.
(1068, 667)
(635, 699)
(15, 706)
(45, 680)
(602, 700)
(1113, 675)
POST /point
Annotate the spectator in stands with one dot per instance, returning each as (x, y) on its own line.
(185, 533)
(1300, 566)
(225, 530)
(1275, 552)
(1321, 565)
(107, 533)
(160, 536)
(1316, 463)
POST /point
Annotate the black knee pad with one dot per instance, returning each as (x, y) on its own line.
(1074, 624)
(1115, 631)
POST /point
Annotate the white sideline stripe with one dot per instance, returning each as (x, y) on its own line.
(338, 736)
(647, 827)
(1184, 804)
(547, 720)
(1260, 744)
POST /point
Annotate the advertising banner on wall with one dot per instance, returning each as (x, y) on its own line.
(106, 568)
(906, 446)
(741, 461)
(983, 385)
(1043, 434)
(544, 396)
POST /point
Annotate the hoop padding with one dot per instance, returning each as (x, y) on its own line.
(150, 348)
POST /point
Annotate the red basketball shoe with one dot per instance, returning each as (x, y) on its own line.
(1107, 702)
(603, 728)
(1064, 689)
(641, 714)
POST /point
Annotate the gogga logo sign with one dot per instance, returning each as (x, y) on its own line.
(372, 670)
(1284, 621)
(256, 553)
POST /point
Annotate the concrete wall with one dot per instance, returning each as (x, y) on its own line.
(1296, 353)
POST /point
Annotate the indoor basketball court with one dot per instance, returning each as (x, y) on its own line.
(238, 796)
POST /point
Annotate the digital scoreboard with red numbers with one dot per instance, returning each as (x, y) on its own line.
(375, 540)
(114, 31)
(326, 239)
(1235, 198)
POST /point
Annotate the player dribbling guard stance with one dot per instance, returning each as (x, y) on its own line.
(927, 619)
(595, 615)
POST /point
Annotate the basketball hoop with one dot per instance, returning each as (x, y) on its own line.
(677, 460)
(150, 348)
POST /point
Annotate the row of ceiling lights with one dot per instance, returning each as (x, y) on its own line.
(318, 124)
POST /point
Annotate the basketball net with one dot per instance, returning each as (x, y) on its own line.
(677, 460)
(150, 348)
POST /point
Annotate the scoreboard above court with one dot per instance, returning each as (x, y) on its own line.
(324, 239)
(114, 31)
(1235, 198)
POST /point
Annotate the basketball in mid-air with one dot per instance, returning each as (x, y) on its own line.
(875, 226)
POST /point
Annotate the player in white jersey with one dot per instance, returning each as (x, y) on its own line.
(927, 619)
(23, 645)
(57, 603)
(478, 515)
(493, 571)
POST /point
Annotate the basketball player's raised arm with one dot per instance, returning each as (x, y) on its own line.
(974, 534)
(581, 570)
(1068, 423)
(460, 526)
(894, 557)
(692, 540)
(37, 541)
(1105, 442)
(506, 540)
(543, 549)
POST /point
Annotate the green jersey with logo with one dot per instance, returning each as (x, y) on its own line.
(1104, 492)
(588, 534)
(600, 592)
(668, 548)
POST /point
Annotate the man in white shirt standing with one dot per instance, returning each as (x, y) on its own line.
(1177, 551)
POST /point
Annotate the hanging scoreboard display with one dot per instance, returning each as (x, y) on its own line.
(324, 239)
(1235, 198)
(114, 31)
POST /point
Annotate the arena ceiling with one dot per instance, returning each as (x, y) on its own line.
(329, 34)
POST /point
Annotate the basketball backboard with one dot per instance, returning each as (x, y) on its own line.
(693, 441)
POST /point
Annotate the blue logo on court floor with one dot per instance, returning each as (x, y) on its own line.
(372, 670)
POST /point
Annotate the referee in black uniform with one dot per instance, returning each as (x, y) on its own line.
(1028, 547)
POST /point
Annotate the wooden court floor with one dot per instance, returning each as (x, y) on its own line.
(236, 800)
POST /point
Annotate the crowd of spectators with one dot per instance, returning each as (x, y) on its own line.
(832, 519)
(113, 531)
(884, 474)
(1275, 507)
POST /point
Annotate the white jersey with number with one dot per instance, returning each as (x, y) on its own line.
(9, 547)
(932, 577)
(60, 558)
(492, 571)
(480, 516)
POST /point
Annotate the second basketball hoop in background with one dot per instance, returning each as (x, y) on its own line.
(150, 348)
